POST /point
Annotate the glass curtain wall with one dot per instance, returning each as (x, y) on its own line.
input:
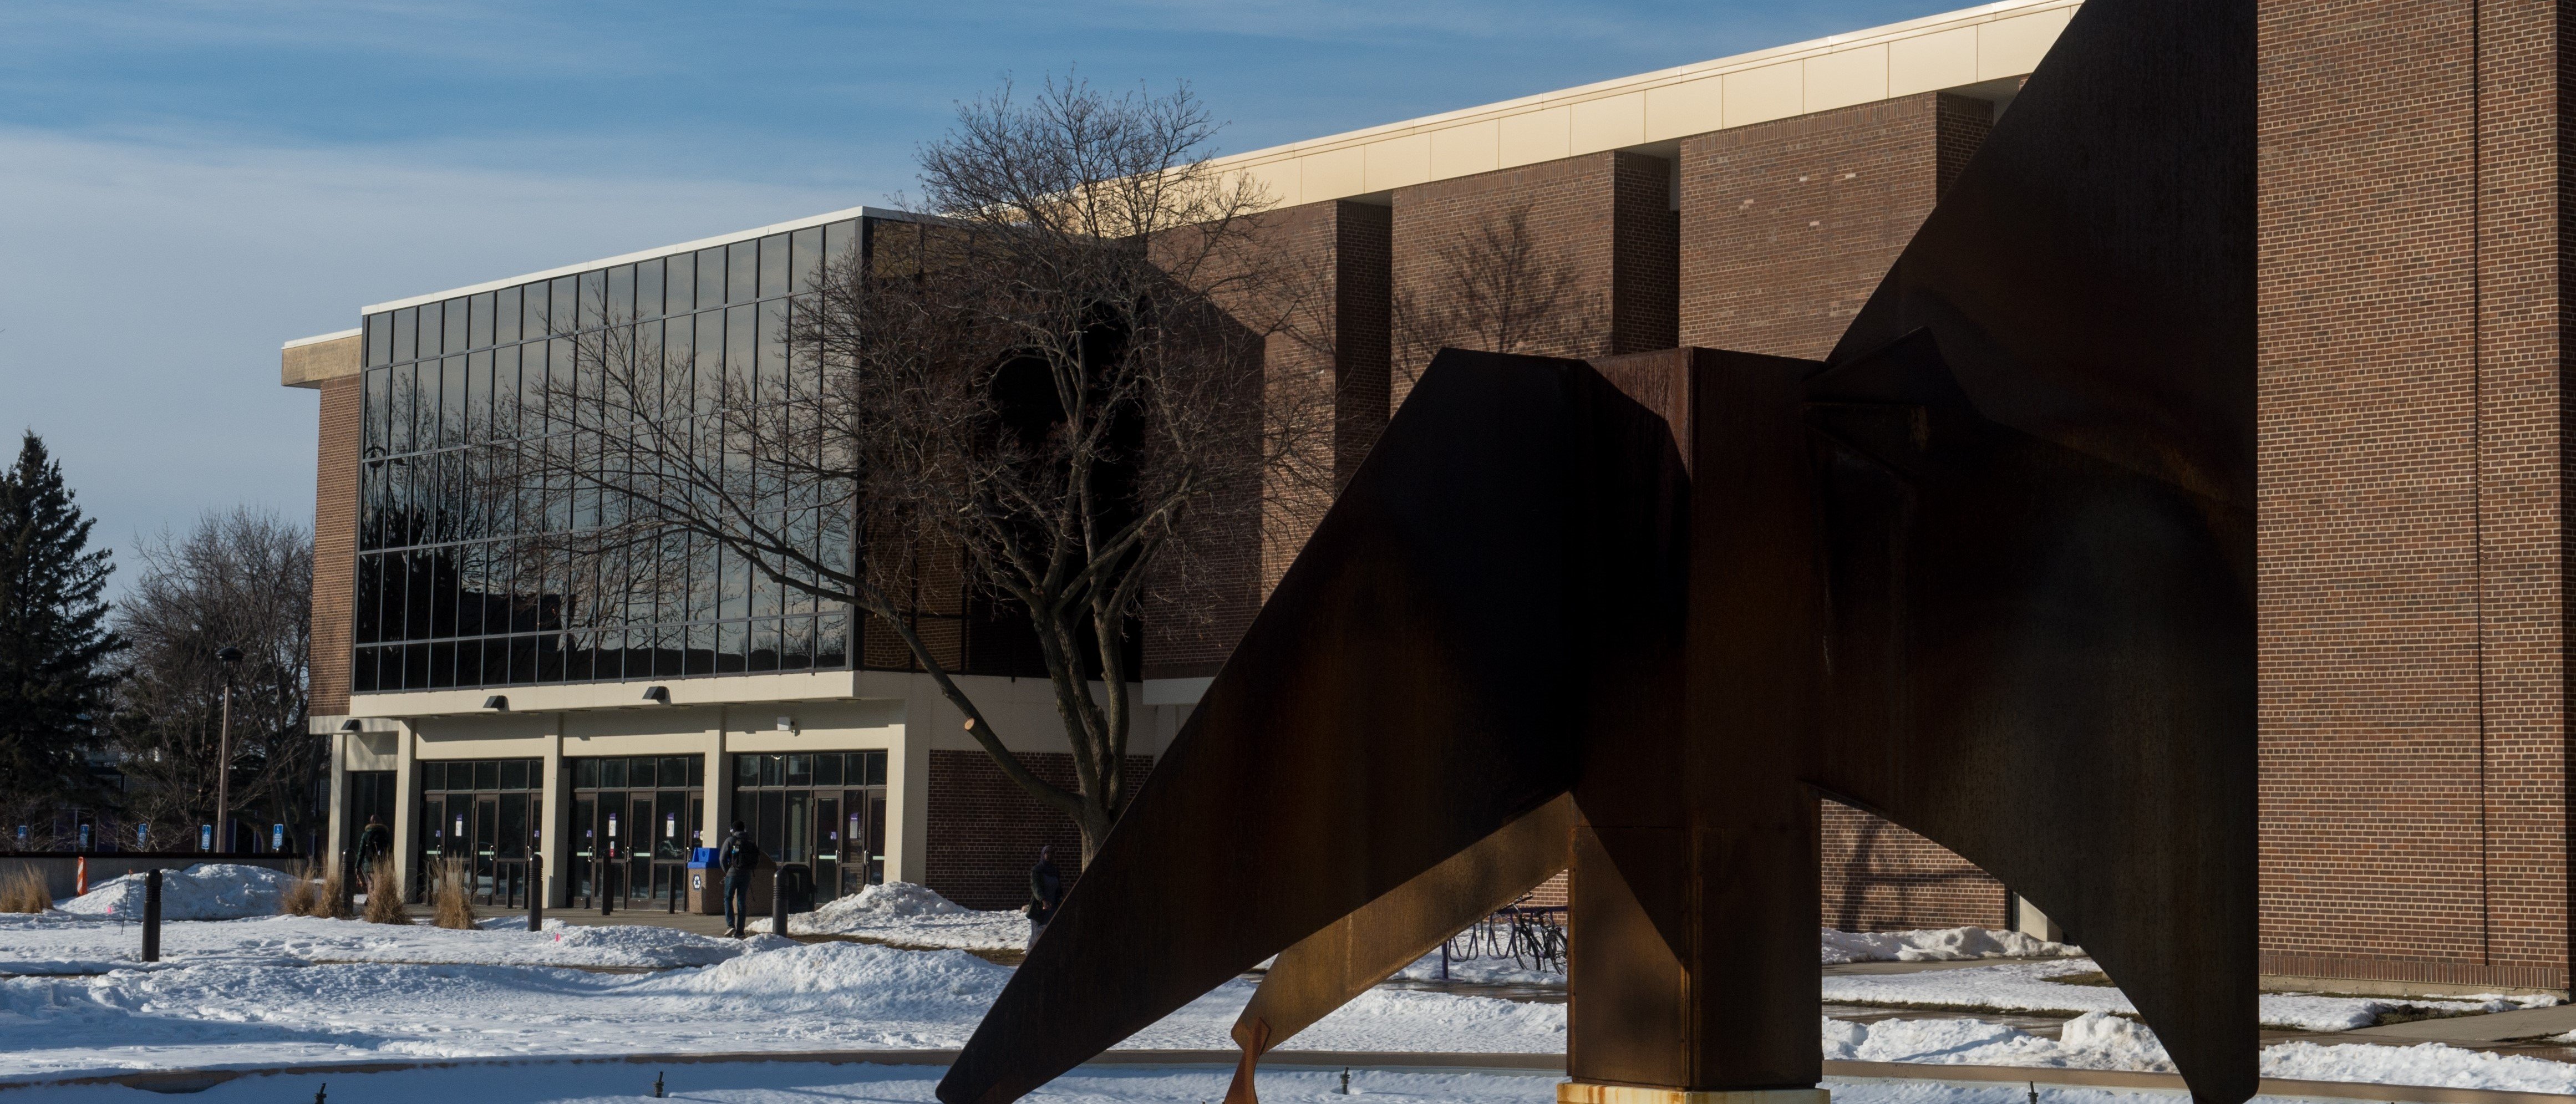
(634, 821)
(461, 580)
(486, 814)
(826, 810)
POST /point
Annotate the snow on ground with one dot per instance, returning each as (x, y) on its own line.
(2098, 1041)
(61, 943)
(2025, 987)
(794, 1082)
(206, 891)
(1937, 945)
(808, 1082)
(1480, 971)
(909, 915)
(825, 996)
(2090, 1041)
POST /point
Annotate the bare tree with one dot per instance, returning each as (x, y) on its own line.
(1025, 401)
(1495, 288)
(240, 579)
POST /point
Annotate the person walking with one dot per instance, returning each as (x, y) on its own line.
(373, 843)
(1046, 891)
(736, 856)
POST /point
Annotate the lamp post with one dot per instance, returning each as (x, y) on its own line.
(230, 658)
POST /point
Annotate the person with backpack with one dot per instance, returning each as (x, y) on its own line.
(373, 843)
(737, 855)
(1046, 891)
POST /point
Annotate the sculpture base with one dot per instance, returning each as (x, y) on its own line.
(1585, 1092)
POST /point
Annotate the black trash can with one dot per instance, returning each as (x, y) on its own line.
(796, 884)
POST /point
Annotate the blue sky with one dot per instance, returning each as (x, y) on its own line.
(185, 185)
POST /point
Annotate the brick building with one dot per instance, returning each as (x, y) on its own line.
(2412, 752)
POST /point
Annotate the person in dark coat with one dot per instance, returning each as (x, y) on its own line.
(1046, 891)
(374, 842)
(737, 855)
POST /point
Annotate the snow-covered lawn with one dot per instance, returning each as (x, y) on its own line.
(807, 1082)
(275, 990)
(60, 943)
(828, 996)
(2026, 987)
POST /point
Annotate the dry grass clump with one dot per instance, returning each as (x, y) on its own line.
(332, 897)
(384, 896)
(22, 889)
(297, 898)
(450, 905)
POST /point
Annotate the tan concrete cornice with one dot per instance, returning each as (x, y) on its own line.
(307, 361)
(1994, 42)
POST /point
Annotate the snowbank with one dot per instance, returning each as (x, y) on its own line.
(2090, 1041)
(2422, 1064)
(2027, 987)
(206, 891)
(856, 980)
(909, 915)
(1937, 945)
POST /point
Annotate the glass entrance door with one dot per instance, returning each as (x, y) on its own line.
(825, 809)
(481, 813)
(634, 821)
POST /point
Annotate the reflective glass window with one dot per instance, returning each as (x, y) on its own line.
(682, 295)
(532, 315)
(451, 409)
(433, 328)
(561, 319)
(805, 251)
(711, 277)
(773, 265)
(648, 288)
(742, 271)
(839, 240)
(506, 309)
(478, 331)
(455, 328)
(380, 339)
(621, 294)
(594, 299)
(406, 333)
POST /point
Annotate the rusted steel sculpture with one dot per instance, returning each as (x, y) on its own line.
(1986, 571)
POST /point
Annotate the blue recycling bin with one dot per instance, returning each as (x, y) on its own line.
(706, 883)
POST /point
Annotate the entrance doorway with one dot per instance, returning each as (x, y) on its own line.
(826, 809)
(484, 813)
(365, 794)
(634, 820)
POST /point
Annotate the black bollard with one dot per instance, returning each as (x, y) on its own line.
(777, 905)
(607, 882)
(152, 916)
(536, 900)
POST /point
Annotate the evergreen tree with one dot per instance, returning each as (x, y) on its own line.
(54, 641)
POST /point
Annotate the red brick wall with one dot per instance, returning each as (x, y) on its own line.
(1325, 375)
(985, 830)
(1786, 229)
(335, 547)
(1566, 258)
(1879, 877)
(2413, 755)
(1788, 226)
